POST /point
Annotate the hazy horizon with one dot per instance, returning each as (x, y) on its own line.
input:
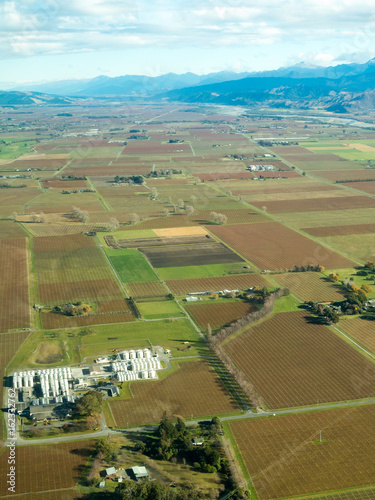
(55, 40)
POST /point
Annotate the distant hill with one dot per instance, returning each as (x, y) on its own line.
(21, 98)
(339, 94)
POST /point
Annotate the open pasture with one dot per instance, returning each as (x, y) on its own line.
(47, 467)
(293, 362)
(176, 394)
(218, 315)
(14, 285)
(317, 204)
(284, 457)
(189, 255)
(310, 286)
(358, 246)
(272, 246)
(131, 265)
(160, 310)
(218, 283)
(9, 345)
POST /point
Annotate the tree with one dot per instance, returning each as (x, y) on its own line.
(166, 212)
(33, 217)
(113, 224)
(109, 447)
(209, 331)
(189, 209)
(154, 193)
(134, 218)
(89, 404)
(14, 215)
(181, 203)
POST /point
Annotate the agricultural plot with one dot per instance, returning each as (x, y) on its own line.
(159, 310)
(71, 268)
(9, 345)
(340, 230)
(9, 229)
(293, 362)
(358, 246)
(310, 286)
(366, 187)
(217, 283)
(14, 285)
(274, 246)
(13, 199)
(218, 315)
(346, 175)
(361, 330)
(51, 320)
(361, 494)
(131, 265)
(149, 289)
(188, 255)
(52, 202)
(317, 204)
(47, 468)
(285, 458)
(331, 218)
(176, 395)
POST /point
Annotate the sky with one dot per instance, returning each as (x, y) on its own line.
(52, 40)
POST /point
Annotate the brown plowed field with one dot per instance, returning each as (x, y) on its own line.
(56, 293)
(14, 284)
(273, 246)
(109, 306)
(340, 230)
(367, 187)
(362, 494)
(343, 175)
(317, 204)
(177, 394)
(278, 175)
(47, 467)
(218, 315)
(294, 362)
(67, 185)
(225, 175)
(148, 289)
(73, 242)
(361, 330)
(149, 148)
(284, 457)
(310, 286)
(217, 283)
(190, 255)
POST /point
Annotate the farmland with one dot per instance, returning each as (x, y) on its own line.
(274, 246)
(324, 371)
(188, 255)
(70, 457)
(310, 286)
(177, 395)
(291, 445)
(159, 221)
(217, 315)
(14, 287)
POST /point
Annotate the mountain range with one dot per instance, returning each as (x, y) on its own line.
(335, 88)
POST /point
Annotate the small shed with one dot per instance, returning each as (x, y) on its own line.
(101, 484)
(140, 472)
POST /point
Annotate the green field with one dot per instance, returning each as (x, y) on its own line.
(180, 273)
(158, 310)
(131, 265)
(11, 148)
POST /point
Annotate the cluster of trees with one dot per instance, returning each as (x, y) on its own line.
(147, 490)
(40, 217)
(218, 218)
(356, 297)
(324, 311)
(81, 215)
(266, 297)
(113, 224)
(6, 185)
(303, 269)
(132, 179)
(163, 173)
(89, 404)
(76, 309)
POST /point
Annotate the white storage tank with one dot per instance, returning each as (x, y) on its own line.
(125, 355)
(132, 354)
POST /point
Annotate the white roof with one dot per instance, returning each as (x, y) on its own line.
(140, 471)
